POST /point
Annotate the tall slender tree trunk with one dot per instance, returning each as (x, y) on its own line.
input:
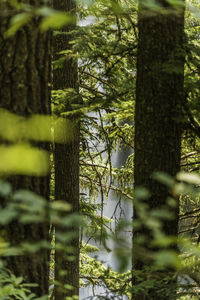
(24, 89)
(159, 99)
(67, 160)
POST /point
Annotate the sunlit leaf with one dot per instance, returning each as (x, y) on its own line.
(23, 159)
(64, 130)
(192, 178)
(39, 128)
(16, 128)
(17, 22)
(60, 205)
(56, 20)
(46, 11)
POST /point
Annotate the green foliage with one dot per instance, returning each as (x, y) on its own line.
(107, 72)
(21, 132)
(93, 272)
(12, 287)
(25, 13)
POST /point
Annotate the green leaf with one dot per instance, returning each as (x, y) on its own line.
(7, 215)
(29, 219)
(57, 20)
(17, 22)
(5, 188)
(23, 159)
(141, 193)
(192, 178)
(164, 178)
(29, 200)
(60, 205)
(167, 258)
(46, 11)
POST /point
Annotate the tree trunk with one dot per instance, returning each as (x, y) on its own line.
(159, 99)
(67, 161)
(24, 89)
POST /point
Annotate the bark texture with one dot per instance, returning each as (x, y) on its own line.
(24, 89)
(159, 100)
(67, 160)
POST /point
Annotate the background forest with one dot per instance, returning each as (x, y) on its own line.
(80, 83)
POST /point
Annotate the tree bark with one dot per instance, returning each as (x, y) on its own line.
(158, 113)
(25, 62)
(67, 160)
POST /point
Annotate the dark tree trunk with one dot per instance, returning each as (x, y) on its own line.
(159, 100)
(24, 89)
(67, 160)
